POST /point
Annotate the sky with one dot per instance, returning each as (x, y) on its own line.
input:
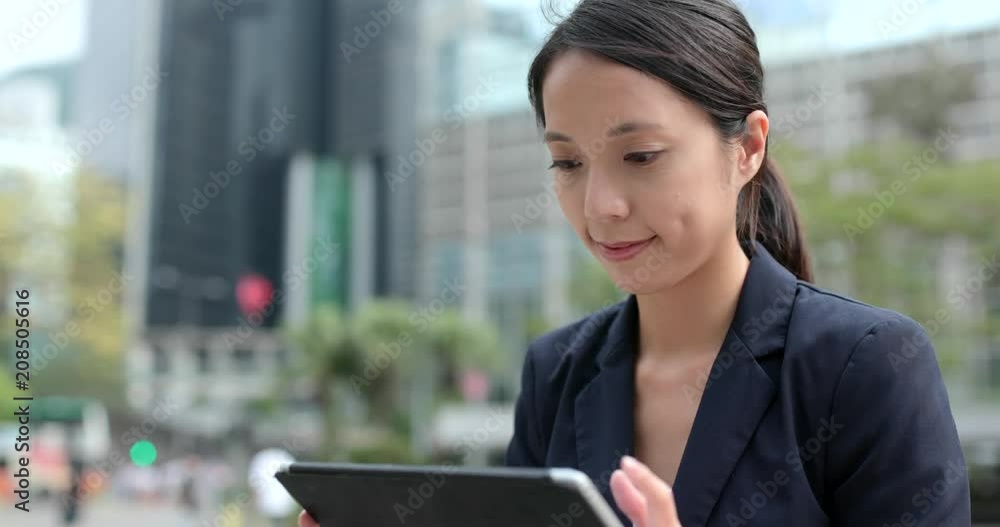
(30, 34)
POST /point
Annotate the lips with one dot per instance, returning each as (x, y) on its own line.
(621, 251)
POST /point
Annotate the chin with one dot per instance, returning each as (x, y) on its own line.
(640, 280)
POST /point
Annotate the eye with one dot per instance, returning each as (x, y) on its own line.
(565, 165)
(642, 158)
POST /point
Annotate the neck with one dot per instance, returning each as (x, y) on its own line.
(693, 316)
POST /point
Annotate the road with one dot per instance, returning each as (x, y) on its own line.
(106, 513)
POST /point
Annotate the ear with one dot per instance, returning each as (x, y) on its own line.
(753, 146)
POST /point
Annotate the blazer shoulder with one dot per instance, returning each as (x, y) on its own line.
(838, 323)
(575, 343)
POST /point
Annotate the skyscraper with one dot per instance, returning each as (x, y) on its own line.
(248, 88)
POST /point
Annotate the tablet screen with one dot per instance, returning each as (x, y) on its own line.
(440, 499)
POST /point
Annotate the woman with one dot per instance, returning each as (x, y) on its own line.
(726, 390)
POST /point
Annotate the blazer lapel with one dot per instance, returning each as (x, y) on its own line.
(604, 408)
(737, 395)
(738, 392)
(730, 409)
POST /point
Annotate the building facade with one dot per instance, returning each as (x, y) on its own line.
(257, 183)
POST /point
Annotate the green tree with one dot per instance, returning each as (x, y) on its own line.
(79, 248)
(90, 365)
(919, 101)
(330, 357)
(456, 344)
(386, 337)
(887, 209)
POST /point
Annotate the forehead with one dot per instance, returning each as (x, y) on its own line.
(585, 92)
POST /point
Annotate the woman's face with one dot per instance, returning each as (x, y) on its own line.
(641, 172)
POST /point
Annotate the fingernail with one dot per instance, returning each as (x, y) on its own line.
(629, 461)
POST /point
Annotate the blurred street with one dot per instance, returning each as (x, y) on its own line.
(234, 233)
(101, 513)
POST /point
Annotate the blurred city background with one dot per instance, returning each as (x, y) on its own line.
(326, 227)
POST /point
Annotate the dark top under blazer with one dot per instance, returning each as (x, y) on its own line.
(819, 410)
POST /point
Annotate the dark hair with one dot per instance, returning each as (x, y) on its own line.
(707, 51)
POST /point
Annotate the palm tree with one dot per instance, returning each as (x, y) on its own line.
(458, 344)
(330, 356)
(386, 338)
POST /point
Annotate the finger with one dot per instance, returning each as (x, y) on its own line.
(659, 496)
(628, 498)
(306, 521)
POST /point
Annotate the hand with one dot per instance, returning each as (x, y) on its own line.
(305, 520)
(645, 498)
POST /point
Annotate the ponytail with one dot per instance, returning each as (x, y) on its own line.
(766, 213)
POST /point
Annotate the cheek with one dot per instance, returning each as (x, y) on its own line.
(689, 215)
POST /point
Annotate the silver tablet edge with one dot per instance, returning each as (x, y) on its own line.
(574, 479)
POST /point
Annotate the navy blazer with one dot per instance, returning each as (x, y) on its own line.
(819, 410)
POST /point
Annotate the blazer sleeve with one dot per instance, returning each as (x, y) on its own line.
(526, 448)
(896, 458)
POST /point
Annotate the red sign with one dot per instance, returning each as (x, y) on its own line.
(253, 293)
(475, 386)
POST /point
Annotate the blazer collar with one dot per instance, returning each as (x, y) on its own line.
(732, 403)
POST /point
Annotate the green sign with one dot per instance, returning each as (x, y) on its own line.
(57, 409)
(331, 221)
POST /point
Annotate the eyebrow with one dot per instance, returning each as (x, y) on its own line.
(617, 131)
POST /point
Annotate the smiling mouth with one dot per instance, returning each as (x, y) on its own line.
(622, 251)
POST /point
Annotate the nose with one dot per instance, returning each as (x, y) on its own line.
(605, 199)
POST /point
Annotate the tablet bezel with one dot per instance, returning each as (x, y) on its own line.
(568, 478)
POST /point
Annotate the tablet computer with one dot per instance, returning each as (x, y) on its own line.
(373, 495)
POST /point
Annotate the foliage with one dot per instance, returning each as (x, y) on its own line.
(886, 210)
(379, 351)
(392, 449)
(70, 250)
(919, 101)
